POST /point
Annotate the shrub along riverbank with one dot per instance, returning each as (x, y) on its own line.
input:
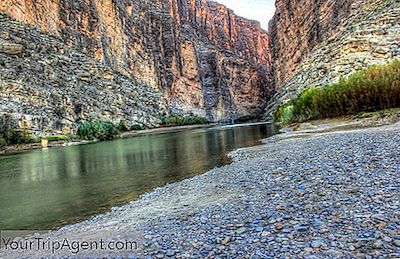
(372, 89)
(10, 134)
(174, 120)
(100, 130)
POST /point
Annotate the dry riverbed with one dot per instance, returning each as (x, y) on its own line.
(308, 193)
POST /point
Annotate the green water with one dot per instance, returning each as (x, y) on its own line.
(45, 189)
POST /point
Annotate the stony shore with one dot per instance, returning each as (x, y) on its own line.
(302, 194)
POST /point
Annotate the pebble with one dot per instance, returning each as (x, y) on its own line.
(279, 226)
(203, 220)
(265, 233)
(241, 230)
(226, 241)
(317, 244)
(170, 252)
(377, 244)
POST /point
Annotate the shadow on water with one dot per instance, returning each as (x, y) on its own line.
(45, 189)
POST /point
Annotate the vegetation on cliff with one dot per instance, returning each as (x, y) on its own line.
(372, 89)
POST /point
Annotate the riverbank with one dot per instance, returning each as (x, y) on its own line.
(304, 194)
(14, 149)
(362, 120)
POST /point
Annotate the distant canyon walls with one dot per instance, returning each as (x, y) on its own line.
(180, 56)
(203, 58)
(314, 43)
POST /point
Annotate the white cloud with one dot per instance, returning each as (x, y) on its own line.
(260, 10)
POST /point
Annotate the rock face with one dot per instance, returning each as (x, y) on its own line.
(201, 57)
(314, 43)
(242, 36)
(48, 87)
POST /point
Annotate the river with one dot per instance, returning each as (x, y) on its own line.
(45, 189)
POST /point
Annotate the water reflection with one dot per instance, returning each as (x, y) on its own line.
(44, 188)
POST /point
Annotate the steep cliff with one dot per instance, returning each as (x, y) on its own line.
(314, 43)
(225, 29)
(48, 87)
(202, 57)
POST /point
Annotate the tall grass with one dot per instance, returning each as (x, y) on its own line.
(372, 89)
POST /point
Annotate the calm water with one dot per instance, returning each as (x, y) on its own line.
(44, 189)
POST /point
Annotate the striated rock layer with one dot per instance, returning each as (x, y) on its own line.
(314, 43)
(242, 36)
(203, 58)
(48, 87)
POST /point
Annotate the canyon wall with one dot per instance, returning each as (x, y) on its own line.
(199, 55)
(314, 43)
(191, 56)
(47, 87)
(244, 37)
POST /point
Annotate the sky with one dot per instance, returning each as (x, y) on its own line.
(260, 10)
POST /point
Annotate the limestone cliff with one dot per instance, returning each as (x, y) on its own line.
(201, 57)
(48, 87)
(314, 43)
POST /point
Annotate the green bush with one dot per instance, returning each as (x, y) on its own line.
(11, 135)
(100, 130)
(56, 138)
(176, 120)
(137, 127)
(24, 137)
(372, 89)
(287, 114)
(122, 127)
(3, 142)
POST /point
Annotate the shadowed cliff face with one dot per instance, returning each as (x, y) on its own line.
(203, 58)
